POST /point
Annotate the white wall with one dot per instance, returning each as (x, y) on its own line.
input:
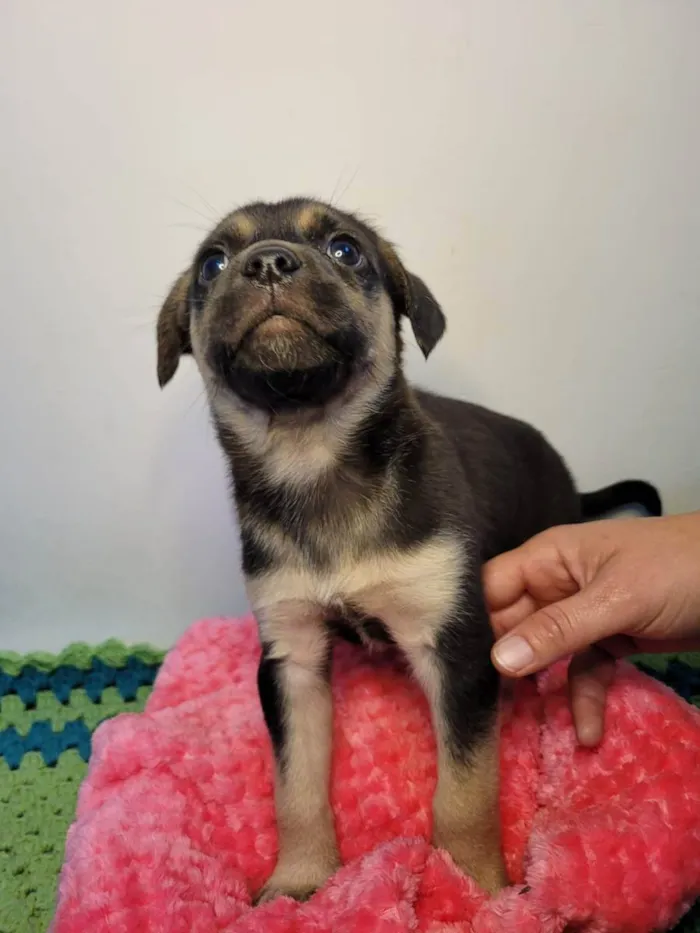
(537, 160)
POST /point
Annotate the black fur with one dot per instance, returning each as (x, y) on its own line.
(629, 492)
(254, 557)
(272, 700)
(425, 315)
(287, 391)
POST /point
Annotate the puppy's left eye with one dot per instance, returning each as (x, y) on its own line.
(345, 251)
(211, 266)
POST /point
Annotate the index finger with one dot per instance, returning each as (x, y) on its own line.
(504, 580)
(536, 568)
(503, 620)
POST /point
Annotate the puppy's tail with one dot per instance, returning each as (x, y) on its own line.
(629, 492)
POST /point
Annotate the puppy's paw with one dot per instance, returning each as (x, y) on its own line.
(270, 892)
(484, 864)
(298, 880)
(491, 876)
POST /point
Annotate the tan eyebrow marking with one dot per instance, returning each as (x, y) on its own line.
(243, 226)
(311, 217)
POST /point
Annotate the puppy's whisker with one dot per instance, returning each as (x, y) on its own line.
(215, 215)
(142, 325)
(347, 187)
(197, 401)
(194, 210)
(331, 200)
(189, 226)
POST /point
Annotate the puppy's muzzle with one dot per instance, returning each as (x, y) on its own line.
(287, 359)
(283, 365)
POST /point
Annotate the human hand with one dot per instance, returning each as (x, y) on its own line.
(598, 591)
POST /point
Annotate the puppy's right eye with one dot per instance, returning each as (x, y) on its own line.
(344, 249)
(211, 266)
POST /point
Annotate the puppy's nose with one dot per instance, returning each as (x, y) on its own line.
(267, 263)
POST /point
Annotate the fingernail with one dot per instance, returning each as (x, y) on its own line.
(513, 654)
(589, 734)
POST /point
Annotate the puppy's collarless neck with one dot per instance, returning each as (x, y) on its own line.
(304, 448)
(326, 460)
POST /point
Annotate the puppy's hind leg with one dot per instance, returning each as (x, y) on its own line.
(293, 681)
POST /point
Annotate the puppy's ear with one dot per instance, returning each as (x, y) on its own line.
(425, 314)
(412, 297)
(172, 330)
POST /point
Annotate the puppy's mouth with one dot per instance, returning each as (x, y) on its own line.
(282, 342)
(283, 363)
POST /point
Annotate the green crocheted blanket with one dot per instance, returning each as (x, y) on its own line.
(49, 708)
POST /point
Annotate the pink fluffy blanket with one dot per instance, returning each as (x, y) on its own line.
(175, 823)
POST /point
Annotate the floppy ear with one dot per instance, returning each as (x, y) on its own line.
(412, 297)
(425, 314)
(172, 330)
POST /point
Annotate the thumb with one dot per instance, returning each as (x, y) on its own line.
(564, 628)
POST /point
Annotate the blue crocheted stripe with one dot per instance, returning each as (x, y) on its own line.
(65, 678)
(680, 676)
(42, 738)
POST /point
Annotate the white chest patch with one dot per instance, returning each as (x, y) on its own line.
(412, 592)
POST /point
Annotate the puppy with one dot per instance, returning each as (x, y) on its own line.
(365, 506)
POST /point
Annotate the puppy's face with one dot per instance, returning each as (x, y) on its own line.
(288, 306)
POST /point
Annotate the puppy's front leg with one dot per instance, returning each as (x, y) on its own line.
(293, 681)
(462, 687)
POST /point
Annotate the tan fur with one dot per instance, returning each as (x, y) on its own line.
(466, 818)
(411, 591)
(309, 217)
(307, 848)
(242, 226)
